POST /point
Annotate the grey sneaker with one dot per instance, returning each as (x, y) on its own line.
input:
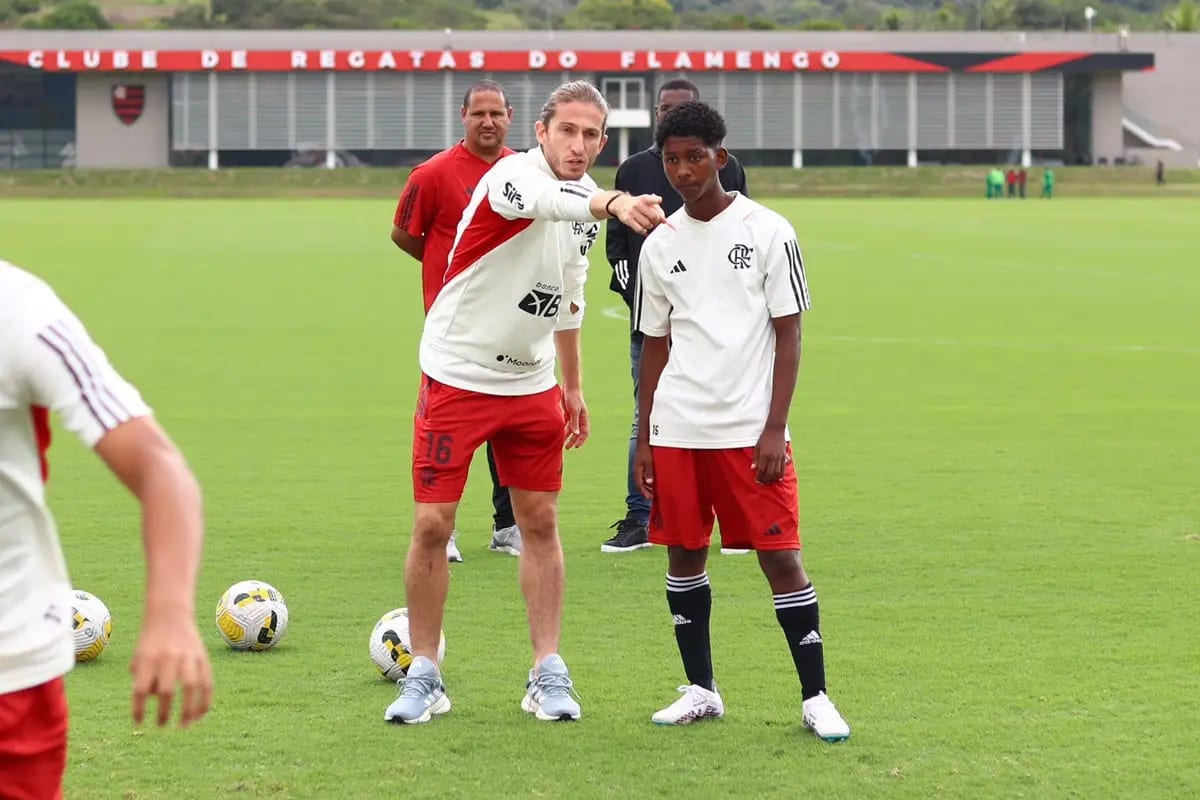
(422, 694)
(549, 694)
(506, 540)
(452, 553)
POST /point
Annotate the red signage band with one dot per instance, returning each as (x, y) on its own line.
(460, 60)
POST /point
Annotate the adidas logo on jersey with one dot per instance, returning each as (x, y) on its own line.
(812, 638)
(679, 267)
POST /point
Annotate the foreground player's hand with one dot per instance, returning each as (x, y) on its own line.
(643, 470)
(576, 415)
(642, 213)
(169, 656)
(770, 456)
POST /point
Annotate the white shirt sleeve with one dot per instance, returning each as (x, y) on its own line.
(786, 285)
(651, 309)
(570, 314)
(519, 190)
(61, 368)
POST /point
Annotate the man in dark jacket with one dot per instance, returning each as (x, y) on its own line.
(642, 173)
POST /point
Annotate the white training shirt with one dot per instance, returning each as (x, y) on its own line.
(515, 276)
(714, 287)
(47, 363)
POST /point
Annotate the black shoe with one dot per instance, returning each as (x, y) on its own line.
(631, 535)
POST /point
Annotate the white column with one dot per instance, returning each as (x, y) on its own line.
(622, 144)
(448, 107)
(912, 119)
(797, 120)
(213, 122)
(330, 121)
(1026, 119)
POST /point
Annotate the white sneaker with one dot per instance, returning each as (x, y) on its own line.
(452, 548)
(696, 704)
(823, 719)
(733, 551)
(506, 540)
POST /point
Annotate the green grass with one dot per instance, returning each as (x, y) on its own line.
(997, 445)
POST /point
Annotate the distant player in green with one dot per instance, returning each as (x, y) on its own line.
(1048, 183)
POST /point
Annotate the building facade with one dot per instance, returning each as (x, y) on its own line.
(338, 98)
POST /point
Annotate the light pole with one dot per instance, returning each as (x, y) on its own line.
(1089, 14)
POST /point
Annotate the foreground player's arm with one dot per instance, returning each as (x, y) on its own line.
(168, 653)
(522, 192)
(65, 371)
(651, 316)
(414, 213)
(787, 297)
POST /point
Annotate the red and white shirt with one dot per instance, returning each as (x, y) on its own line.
(515, 276)
(47, 363)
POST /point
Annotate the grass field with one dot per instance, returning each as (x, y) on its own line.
(998, 448)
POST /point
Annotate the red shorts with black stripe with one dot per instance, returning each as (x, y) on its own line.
(33, 742)
(694, 487)
(527, 433)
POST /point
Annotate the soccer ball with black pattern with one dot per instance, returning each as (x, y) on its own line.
(391, 645)
(252, 615)
(91, 626)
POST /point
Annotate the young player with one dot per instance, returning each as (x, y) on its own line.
(643, 173)
(427, 217)
(726, 281)
(48, 363)
(511, 308)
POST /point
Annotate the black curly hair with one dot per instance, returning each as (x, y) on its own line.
(692, 119)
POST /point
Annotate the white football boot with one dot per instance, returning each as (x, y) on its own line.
(696, 704)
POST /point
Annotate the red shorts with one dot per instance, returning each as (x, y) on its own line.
(527, 433)
(692, 487)
(33, 742)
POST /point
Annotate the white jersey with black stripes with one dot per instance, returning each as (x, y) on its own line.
(48, 364)
(714, 287)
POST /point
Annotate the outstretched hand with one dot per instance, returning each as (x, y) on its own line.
(642, 213)
(170, 655)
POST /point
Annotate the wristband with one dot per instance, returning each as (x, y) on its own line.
(610, 201)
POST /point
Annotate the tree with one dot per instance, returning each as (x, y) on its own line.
(609, 15)
(1184, 17)
(76, 15)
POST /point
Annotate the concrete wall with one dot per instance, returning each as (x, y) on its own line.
(103, 140)
(1168, 98)
(1107, 111)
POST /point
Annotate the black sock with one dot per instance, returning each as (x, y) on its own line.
(690, 600)
(797, 615)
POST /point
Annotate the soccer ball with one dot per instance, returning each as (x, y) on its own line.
(91, 626)
(252, 615)
(391, 646)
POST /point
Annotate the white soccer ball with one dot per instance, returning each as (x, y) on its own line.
(252, 615)
(91, 625)
(391, 645)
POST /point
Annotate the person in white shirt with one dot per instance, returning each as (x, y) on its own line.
(48, 363)
(511, 308)
(725, 282)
